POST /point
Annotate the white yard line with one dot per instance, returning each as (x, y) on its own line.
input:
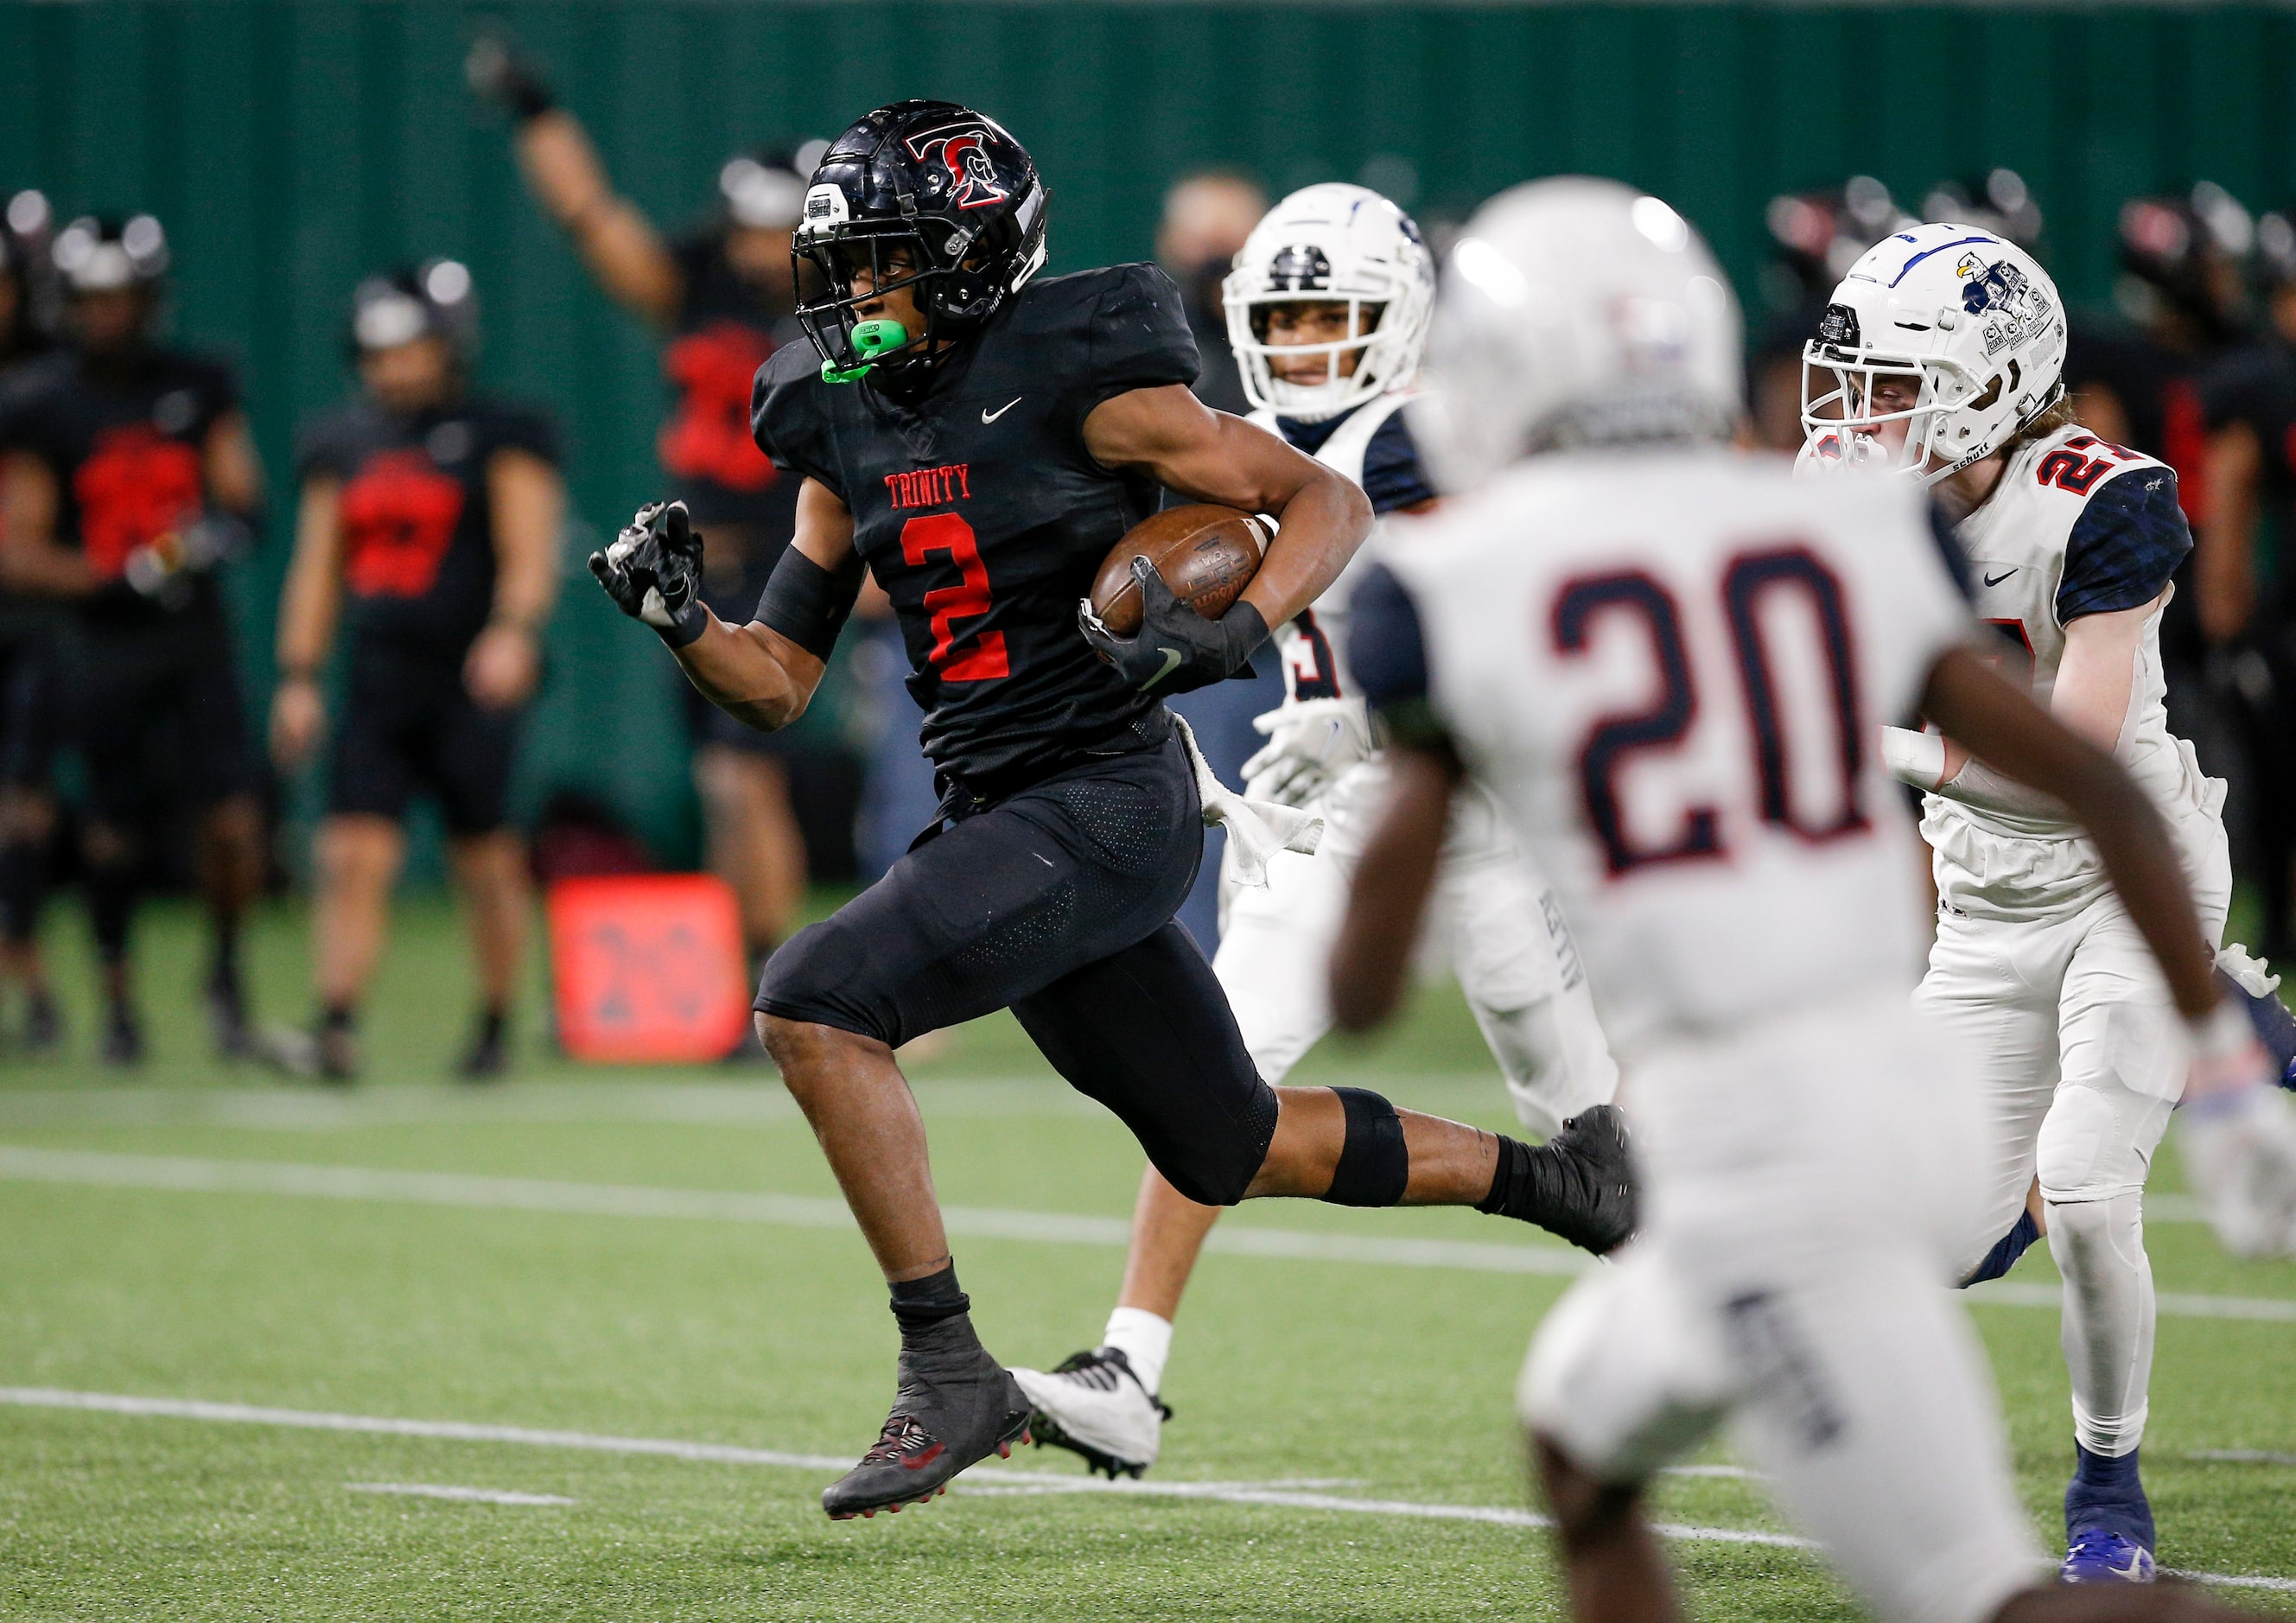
(984, 1480)
(100, 1169)
(473, 1495)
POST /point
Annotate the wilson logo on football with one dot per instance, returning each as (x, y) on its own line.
(972, 178)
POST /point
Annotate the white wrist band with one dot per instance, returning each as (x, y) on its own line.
(1914, 758)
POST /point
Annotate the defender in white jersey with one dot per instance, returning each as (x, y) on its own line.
(1327, 312)
(1671, 662)
(1941, 359)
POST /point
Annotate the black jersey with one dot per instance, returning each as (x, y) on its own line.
(416, 515)
(724, 330)
(125, 441)
(2256, 385)
(978, 510)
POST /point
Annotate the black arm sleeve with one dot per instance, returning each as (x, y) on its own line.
(809, 604)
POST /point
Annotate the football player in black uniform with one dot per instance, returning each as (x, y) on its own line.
(131, 477)
(980, 438)
(28, 665)
(726, 298)
(437, 512)
(2246, 596)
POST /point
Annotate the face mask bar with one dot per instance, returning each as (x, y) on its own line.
(1840, 427)
(829, 322)
(1247, 322)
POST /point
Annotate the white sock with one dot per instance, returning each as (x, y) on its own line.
(1143, 1339)
(2099, 1246)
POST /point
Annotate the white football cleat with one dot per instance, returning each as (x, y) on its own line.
(2240, 1152)
(1094, 1404)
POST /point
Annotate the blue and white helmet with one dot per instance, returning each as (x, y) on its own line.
(1974, 317)
(1343, 244)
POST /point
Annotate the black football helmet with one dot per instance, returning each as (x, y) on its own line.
(950, 191)
(432, 299)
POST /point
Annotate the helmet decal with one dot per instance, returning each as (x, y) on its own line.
(1301, 267)
(966, 156)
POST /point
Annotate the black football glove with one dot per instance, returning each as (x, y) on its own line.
(1177, 649)
(653, 572)
(497, 74)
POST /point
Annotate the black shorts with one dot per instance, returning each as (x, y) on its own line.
(409, 723)
(158, 719)
(1057, 903)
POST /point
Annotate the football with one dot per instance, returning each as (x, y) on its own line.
(1205, 552)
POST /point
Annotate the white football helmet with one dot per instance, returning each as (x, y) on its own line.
(1575, 312)
(1974, 316)
(1331, 243)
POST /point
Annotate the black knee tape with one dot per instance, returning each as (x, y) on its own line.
(1374, 1166)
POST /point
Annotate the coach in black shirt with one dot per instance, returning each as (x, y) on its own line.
(432, 514)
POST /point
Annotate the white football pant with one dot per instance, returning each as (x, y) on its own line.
(1805, 1180)
(2081, 1056)
(1491, 918)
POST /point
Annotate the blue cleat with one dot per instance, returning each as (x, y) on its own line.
(2109, 1535)
(2098, 1557)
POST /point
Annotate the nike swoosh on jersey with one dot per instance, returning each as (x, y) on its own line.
(1995, 581)
(1171, 663)
(988, 416)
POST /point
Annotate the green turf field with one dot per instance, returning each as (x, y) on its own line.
(652, 1266)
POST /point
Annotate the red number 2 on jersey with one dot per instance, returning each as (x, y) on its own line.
(983, 657)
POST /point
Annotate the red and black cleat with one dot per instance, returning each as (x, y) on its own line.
(957, 1405)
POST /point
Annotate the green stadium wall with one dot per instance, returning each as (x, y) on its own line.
(291, 147)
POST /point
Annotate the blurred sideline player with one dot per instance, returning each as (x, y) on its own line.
(1941, 359)
(2248, 611)
(29, 699)
(436, 513)
(1669, 659)
(1327, 311)
(726, 296)
(131, 478)
(979, 437)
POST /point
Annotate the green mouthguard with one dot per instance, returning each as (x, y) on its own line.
(872, 340)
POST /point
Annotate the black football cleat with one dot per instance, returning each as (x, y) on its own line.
(1601, 1209)
(957, 1405)
(234, 1038)
(488, 1055)
(123, 1037)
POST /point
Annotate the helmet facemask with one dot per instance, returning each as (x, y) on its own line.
(1377, 364)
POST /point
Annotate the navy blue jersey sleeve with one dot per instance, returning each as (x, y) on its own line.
(2124, 546)
(1387, 650)
(785, 418)
(1392, 477)
(1138, 336)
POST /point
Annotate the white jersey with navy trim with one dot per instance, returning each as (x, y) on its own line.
(2075, 526)
(1672, 669)
(1313, 642)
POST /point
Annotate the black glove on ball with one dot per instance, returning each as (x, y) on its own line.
(1177, 649)
(653, 572)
